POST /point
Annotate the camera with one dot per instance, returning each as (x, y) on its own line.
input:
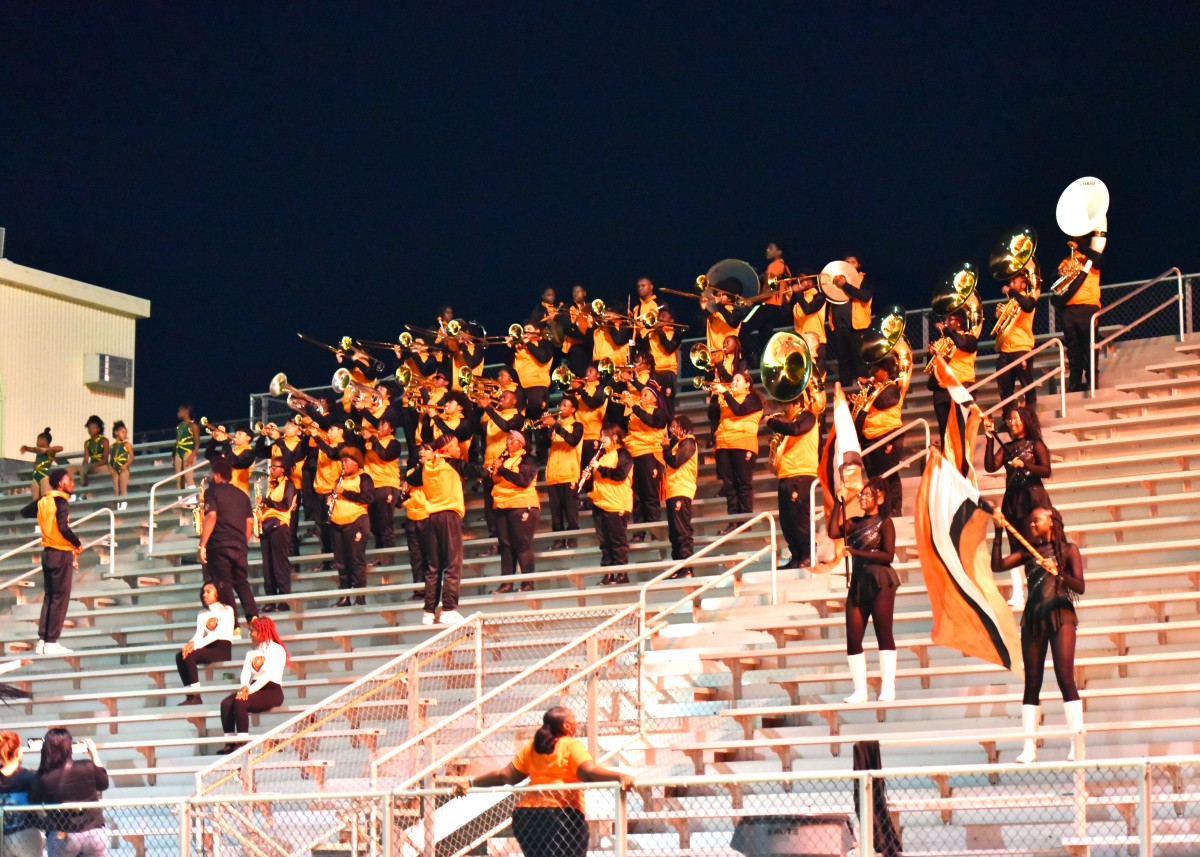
(34, 745)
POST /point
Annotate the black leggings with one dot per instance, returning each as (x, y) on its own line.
(1033, 652)
(235, 713)
(548, 831)
(879, 609)
(216, 652)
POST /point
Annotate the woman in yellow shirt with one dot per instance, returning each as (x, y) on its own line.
(547, 823)
(738, 410)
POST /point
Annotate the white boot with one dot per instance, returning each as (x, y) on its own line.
(1074, 712)
(887, 675)
(858, 672)
(1018, 594)
(1031, 717)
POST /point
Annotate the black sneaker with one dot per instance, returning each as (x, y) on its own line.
(282, 607)
(191, 699)
(342, 602)
(606, 580)
(503, 589)
(268, 608)
(619, 579)
(527, 587)
(681, 574)
(360, 600)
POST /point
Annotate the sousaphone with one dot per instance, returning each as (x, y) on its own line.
(732, 276)
(788, 372)
(1011, 257)
(957, 292)
(833, 292)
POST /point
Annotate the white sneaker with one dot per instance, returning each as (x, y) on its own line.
(122, 506)
(452, 617)
(40, 648)
(55, 649)
(427, 618)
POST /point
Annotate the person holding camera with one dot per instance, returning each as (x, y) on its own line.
(64, 779)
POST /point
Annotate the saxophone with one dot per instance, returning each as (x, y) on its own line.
(198, 509)
(775, 450)
(868, 393)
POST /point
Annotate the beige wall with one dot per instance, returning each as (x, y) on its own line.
(47, 325)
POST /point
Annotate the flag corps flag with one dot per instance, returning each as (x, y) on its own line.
(952, 524)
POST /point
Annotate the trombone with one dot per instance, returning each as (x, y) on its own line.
(649, 321)
(210, 428)
(346, 345)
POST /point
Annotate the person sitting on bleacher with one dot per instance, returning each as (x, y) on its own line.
(211, 644)
(262, 683)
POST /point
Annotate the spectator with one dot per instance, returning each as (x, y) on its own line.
(21, 837)
(211, 644)
(262, 683)
(62, 779)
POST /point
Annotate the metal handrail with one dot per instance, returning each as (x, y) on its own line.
(150, 525)
(1094, 346)
(110, 539)
(1062, 372)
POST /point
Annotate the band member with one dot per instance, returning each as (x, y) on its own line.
(961, 362)
(738, 410)
(795, 456)
(1016, 345)
(770, 312)
(578, 327)
(518, 507)
(449, 416)
(275, 515)
(349, 521)
(497, 423)
(290, 447)
(228, 525)
(1080, 301)
(592, 405)
(416, 531)
(544, 316)
(441, 476)
(329, 445)
(664, 340)
(730, 363)
(261, 685)
(644, 419)
(1026, 462)
(236, 448)
(120, 460)
(724, 319)
(506, 377)
(211, 644)
(879, 419)
(809, 311)
(647, 302)
(847, 321)
(60, 547)
(95, 449)
(871, 542)
(532, 357)
(187, 439)
(612, 501)
(43, 462)
(382, 463)
(465, 353)
(562, 469)
(680, 457)
(1049, 620)
(611, 339)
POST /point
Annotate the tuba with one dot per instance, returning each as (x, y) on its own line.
(957, 292)
(1012, 257)
(788, 372)
(883, 339)
(1082, 210)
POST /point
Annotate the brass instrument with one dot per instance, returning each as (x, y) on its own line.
(477, 385)
(885, 337)
(866, 395)
(703, 358)
(704, 292)
(621, 397)
(266, 429)
(563, 376)
(648, 321)
(258, 508)
(1082, 210)
(364, 394)
(789, 372)
(1012, 257)
(199, 509)
(700, 383)
(957, 292)
(296, 398)
(210, 428)
(345, 345)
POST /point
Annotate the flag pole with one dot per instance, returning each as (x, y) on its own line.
(1033, 552)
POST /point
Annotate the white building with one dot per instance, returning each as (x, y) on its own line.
(66, 352)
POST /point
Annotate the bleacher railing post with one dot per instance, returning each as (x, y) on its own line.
(866, 814)
(620, 822)
(1145, 813)
(593, 698)
(185, 829)
(385, 838)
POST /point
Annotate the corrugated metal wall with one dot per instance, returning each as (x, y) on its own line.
(43, 341)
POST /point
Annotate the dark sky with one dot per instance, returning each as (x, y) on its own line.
(258, 169)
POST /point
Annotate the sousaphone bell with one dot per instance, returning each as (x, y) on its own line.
(787, 367)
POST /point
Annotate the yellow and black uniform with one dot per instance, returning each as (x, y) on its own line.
(349, 521)
(736, 445)
(59, 544)
(847, 321)
(416, 530)
(1081, 301)
(1014, 347)
(640, 308)
(578, 327)
(442, 481)
(465, 355)
(241, 458)
(562, 474)
(517, 510)
(796, 468)
(292, 452)
(455, 425)
(592, 406)
(769, 313)
(723, 321)
(612, 499)
(276, 511)
(532, 363)
(962, 364)
(382, 463)
(681, 458)
(612, 341)
(664, 349)
(808, 316)
(496, 426)
(329, 468)
(646, 432)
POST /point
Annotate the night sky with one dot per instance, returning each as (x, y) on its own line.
(258, 169)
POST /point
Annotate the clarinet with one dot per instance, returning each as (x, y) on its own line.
(337, 489)
(587, 471)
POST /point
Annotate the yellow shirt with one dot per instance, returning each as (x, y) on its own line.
(609, 495)
(560, 765)
(592, 418)
(385, 474)
(718, 329)
(604, 346)
(328, 470)
(507, 495)
(1089, 292)
(664, 362)
(443, 488)
(241, 475)
(416, 506)
(813, 323)
(737, 432)
(47, 518)
(799, 454)
(284, 516)
(530, 371)
(962, 364)
(681, 481)
(347, 511)
(563, 462)
(494, 448)
(879, 422)
(1020, 334)
(643, 439)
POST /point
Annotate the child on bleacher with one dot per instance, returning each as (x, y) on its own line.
(120, 460)
(43, 463)
(95, 449)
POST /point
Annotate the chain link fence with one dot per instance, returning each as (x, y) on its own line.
(134, 828)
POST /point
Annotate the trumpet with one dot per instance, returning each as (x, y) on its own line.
(266, 429)
(621, 397)
(210, 428)
(371, 397)
(607, 366)
(295, 396)
(712, 386)
(431, 410)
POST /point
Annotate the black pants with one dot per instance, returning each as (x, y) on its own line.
(383, 516)
(794, 515)
(323, 525)
(1019, 378)
(1076, 326)
(1062, 646)
(579, 355)
(58, 567)
(277, 567)
(294, 526)
(535, 406)
(881, 461)
(647, 485)
(489, 508)
(941, 409)
(668, 381)
(564, 507)
(308, 494)
(679, 527)
(350, 552)
(445, 561)
(846, 345)
(758, 330)
(408, 427)
(550, 831)
(227, 571)
(735, 468)
(515, 528)
(217, 652)
(416, 535)
(612, 533)
(235, 713)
